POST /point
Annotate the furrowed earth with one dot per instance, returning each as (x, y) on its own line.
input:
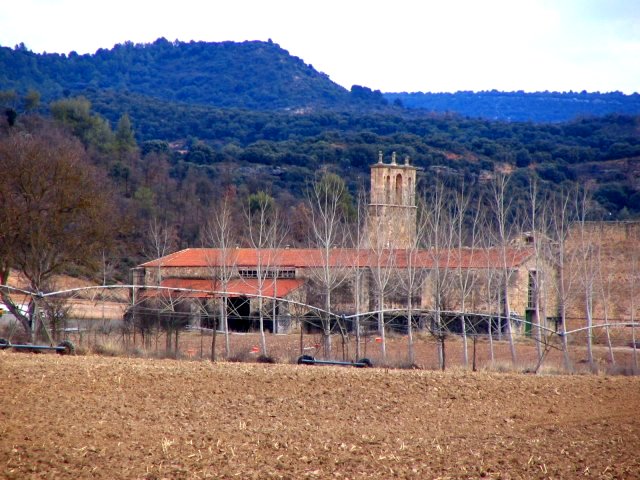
(98, 417)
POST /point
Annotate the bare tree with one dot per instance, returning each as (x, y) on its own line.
(505, 226)
(633, 281)
(160, 241)
(490, 278)
(329, 202)
(588, 255)
(220, 235)
(605, 281)
(411, 274)
(439, 240)
(535, 277)
(265, 234)
(382, 262)
(562, 216)
(466, 243)
(360, 241)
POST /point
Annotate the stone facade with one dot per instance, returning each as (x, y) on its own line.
(392, 204)
(603, 265)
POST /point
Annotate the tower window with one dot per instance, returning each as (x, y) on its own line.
(399, 189)
(387, 189)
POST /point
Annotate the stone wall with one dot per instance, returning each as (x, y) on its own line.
(603, 264)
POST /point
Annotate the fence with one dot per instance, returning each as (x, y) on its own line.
(108, 320)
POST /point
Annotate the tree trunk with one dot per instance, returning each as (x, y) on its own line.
(588, 307)
(357, 327)
(507, 314)
(537, 323)
(474, 367)
(225, 326)
(491, 352)
(213, 338)
(635, 348)
(167, 340)
(381, 329)
(563, 327)
(263, 338)
(465, 348)
(411, 350)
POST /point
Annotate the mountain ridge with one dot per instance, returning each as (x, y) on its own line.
(259, 75)
(253, 74)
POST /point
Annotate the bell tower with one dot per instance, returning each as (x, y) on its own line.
(392, 205)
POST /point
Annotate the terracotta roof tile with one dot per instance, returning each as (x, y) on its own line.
(310, 258)
(236, 287)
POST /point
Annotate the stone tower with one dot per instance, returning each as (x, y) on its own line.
(392, 205)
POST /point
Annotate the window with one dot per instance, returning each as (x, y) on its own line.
(267, 273)
(387, 190)
(399, 189)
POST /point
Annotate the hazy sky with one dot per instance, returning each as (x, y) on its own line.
(398, 45)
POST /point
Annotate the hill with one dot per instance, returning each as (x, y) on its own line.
(263, 76)
(253, 75)
(539, 107)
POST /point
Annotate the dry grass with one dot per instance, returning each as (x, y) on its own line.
(287, 348)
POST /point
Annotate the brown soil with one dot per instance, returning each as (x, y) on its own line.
(96, 417)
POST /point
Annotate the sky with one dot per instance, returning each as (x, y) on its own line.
(392, 46)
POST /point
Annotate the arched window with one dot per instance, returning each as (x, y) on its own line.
(387, 190)
(399, 189)
(410, 191)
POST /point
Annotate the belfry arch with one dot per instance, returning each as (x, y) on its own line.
(399, 189)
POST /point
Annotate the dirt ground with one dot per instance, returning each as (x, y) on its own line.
(99, 417)
(287, 348)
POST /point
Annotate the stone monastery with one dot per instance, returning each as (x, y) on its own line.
(291, 287)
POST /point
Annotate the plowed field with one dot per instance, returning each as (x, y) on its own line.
(96, 417)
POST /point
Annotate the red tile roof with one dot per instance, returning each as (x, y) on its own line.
(311, 257)
(235, 288)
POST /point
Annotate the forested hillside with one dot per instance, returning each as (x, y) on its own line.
(539, 107)
(174, 127)
(263, 76)
(253, 75)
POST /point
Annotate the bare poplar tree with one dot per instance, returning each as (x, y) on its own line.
(537, 222)
(490, 278)
(605, 281)
(633, 282)
(328, 201)
(160, 241)
(220, 235)
(504, 229)
(382, 262)
(562, 216)
(439, 239)
(588, 255)
(360, 241)
(265, 233)
(465, 241)
(411, 275)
